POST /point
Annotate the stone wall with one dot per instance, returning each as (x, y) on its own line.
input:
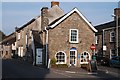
(110, 45)
(59, 36)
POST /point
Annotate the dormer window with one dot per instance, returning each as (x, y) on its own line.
(73, 36)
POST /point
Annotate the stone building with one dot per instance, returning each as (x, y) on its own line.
(66, 38)
(29, 37)
(106, 37)
(7, 46)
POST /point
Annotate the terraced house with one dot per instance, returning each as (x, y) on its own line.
(108, 37)
(65, 37)
(8, 46)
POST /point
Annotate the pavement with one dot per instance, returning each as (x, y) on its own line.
(76, 69)
(17, 68)
(73, 70)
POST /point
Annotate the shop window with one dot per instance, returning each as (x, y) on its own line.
(85, 57)
(60, 57)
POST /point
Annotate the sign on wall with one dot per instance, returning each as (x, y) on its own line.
(78, 55)
(93, 47)
(104, 48)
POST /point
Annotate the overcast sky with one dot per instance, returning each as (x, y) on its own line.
(18, 13)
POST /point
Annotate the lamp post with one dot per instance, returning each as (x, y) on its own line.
(117, 35)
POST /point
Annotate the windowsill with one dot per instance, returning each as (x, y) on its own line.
(18, 39)
(112, 41)
(83, 62)
(73, 42)
(60, 63)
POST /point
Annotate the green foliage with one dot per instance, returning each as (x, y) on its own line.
(54, 65)
(53, 61)
(62, 66)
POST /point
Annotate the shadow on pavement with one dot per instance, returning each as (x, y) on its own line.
(14, 69)
(105, 75)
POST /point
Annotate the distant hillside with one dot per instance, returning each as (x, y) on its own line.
(2, 35)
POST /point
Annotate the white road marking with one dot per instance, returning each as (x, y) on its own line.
(92, 73)
(62, 74)
(70, 72)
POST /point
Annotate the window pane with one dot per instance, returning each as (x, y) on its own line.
(73, 35)
(112, 36)
(60, 57)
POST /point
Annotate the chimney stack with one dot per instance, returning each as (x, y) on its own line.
(53, 3)
(117, 12)
(44, 18)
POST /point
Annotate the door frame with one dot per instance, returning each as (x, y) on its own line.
(75, 57)
(36, 57)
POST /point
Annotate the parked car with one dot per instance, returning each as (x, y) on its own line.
(102, 61)
(115, 61)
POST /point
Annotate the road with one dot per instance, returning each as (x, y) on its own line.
(14, 69)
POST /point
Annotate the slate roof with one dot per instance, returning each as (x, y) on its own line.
(9, 39)
(28, 23)
(106, 25)
(56, 20)
(53, 14)
(59, 20)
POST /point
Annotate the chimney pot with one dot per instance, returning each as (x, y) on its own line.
(117, 11)
(44, 11)
(53, 3)
(44, 8)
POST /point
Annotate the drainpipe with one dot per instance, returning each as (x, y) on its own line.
(34, 54)
(103, 42)
(46, 45)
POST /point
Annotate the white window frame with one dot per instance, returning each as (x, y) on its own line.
(26, 37)
(112, 36)
(30, 33)
(70, 36)
(18, 51)
(56, 58)
(111, 54)
(21, 52)
(84, 58)
(14, 46)
(75, 57)
(18, 36)
(96, 39)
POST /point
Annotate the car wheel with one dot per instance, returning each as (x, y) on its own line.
(98, 64)
(110, 65)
